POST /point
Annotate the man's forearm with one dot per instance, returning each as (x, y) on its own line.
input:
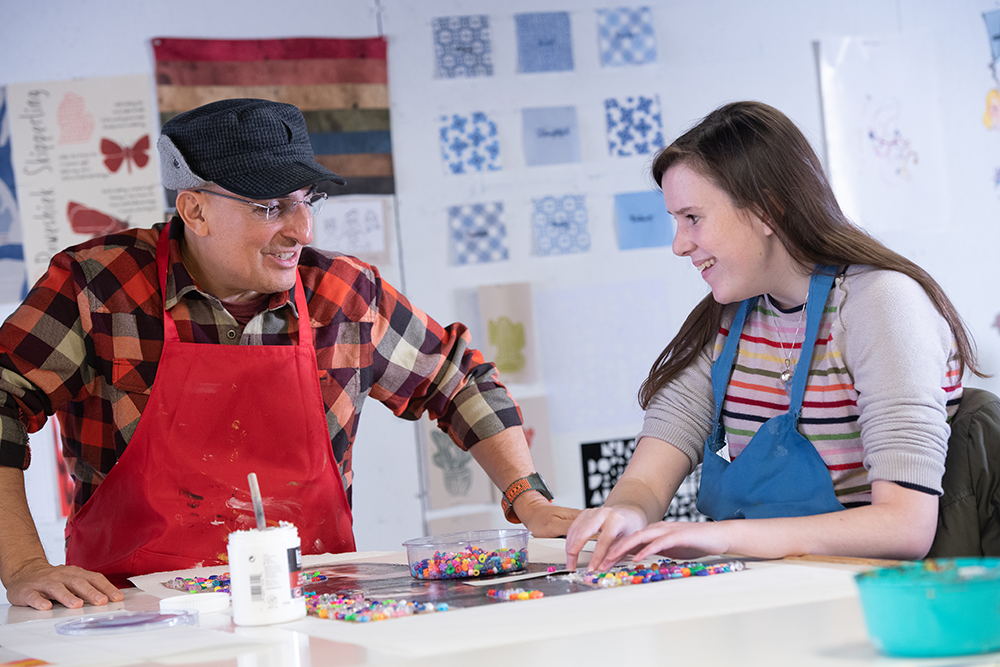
(20, 543)
(505, 456)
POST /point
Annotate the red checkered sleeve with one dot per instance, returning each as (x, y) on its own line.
(67, 347)
(408, 361)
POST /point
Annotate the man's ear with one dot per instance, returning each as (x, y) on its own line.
(191, 209)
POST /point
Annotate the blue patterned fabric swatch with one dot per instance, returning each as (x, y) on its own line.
(544, 43)
(551, 135)
(643, 221)
(469, 143)
(560, 224)
(462, 46)
(625, 36)
(635, 125)
(478, 233)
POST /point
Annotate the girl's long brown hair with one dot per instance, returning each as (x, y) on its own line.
(755, 154)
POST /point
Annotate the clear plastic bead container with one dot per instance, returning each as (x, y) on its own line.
(475, 553)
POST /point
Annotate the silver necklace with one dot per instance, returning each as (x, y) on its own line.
(786, 375)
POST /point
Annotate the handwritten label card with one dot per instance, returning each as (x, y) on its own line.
(551, 135)
(544, 42)
(643, 221)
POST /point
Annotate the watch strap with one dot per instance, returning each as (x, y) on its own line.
(532, 482)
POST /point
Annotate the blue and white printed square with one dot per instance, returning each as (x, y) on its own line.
(561, 226)
(643, 221)
(462, 46)
(469, 143)
(544, 42)
(551, 135)
(478, 233)
(635, 125)
(625, 36)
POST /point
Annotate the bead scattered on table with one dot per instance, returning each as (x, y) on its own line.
(626, 575)
(219, 583)
(470, 562)
(359, 609)
(513, 594)
(216, 583)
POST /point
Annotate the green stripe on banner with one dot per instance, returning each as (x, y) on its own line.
(346, 120)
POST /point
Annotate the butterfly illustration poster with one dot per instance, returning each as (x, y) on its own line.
(84, 161)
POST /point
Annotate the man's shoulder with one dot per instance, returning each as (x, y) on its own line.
(126, 252)
(317, 260)
(339, 277)
(131, 241)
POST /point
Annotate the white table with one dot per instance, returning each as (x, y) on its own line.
(774, 613)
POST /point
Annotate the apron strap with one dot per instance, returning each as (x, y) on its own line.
(723, 366)
(819, 287)
(170, 328)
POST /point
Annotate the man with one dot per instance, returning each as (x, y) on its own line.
(180, 358)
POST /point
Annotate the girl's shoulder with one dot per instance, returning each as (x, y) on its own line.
(876, 287)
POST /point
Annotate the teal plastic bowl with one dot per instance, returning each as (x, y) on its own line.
(943, 607)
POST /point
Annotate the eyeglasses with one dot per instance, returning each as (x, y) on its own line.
(282, 207)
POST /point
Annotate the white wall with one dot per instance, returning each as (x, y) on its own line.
(710, 52)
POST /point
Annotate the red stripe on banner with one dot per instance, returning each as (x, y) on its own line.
(300, 48)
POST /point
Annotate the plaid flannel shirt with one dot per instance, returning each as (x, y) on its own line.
(86, 341)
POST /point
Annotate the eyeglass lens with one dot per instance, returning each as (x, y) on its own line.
(286, 207)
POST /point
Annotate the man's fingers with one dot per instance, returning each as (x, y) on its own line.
(36, 600)
(71, 587)
(95, 589)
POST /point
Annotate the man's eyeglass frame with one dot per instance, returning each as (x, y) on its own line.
(314, 201)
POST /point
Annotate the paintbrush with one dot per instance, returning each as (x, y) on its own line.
(258, 504)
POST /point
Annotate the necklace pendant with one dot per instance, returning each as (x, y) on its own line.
(786, 375)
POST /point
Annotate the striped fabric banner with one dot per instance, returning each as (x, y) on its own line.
(340, 85)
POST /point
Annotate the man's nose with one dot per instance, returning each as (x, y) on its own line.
(300, 224)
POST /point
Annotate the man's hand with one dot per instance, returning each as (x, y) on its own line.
(37, 582)
(541, 517)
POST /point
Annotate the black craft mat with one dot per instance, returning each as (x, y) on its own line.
(385, 581)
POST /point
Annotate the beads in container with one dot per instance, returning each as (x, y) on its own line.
(467, 554)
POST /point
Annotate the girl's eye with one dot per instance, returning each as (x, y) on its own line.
(694, 218)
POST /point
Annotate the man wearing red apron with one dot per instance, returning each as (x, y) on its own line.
(197, 416)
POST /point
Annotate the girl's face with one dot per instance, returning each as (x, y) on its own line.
(738, 255)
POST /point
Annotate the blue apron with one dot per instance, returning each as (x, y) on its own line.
(779, 473)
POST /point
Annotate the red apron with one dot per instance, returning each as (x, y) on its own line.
(215, 414)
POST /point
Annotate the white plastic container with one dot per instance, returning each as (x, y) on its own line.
(265, 569)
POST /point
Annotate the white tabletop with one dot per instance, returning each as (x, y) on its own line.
(772, 613)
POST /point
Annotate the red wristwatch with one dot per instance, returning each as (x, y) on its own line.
(532, 482)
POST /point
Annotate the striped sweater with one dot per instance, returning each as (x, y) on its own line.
(883, 383)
